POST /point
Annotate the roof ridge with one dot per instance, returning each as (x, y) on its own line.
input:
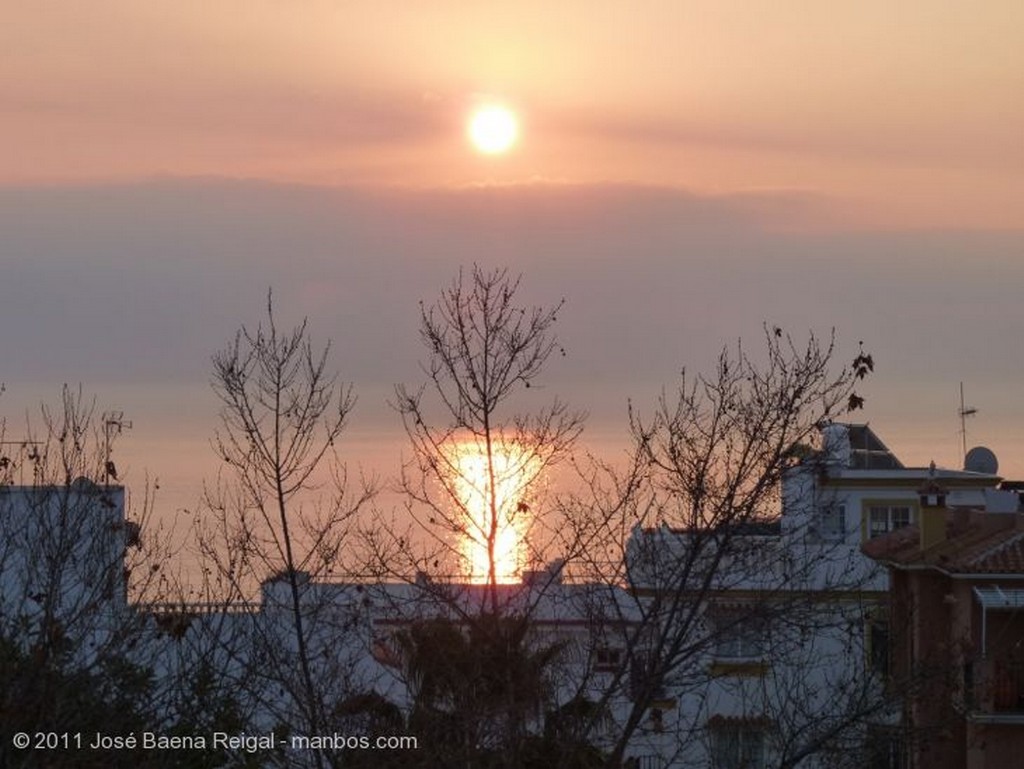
(999, 547)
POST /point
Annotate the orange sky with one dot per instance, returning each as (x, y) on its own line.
(906, 114)
(687, 171)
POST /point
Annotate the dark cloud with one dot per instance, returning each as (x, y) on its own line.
(141, 284)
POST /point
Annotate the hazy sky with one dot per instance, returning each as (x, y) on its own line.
(685, 173)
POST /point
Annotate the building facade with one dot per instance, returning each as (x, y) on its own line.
(793, 628)
(957, 585)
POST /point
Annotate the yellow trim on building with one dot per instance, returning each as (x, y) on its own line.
(755, 669)
(904, 483)
(755, 596)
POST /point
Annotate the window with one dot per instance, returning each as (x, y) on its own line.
(657, 716)
(885, 518)
(607, 659)
(886, 749)
(739, 637)
(644, 762)
(739, 747)
(645, 679)
(878, 643)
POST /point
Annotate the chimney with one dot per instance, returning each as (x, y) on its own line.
(933, 512)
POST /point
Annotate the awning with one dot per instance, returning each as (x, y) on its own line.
(999, 598)
(992, 599)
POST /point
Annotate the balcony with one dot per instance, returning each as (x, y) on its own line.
(995, 683)
(998, 690)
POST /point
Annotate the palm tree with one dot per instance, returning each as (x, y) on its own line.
(480, 687)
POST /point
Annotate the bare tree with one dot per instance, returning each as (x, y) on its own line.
(693, 527)
(271, 522)
(476, 463)
(75, 551)
(482, 451)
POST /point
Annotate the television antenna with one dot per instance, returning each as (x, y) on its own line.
(113, 424)
(965, 411)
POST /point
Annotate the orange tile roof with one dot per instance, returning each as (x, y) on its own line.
(976, 543)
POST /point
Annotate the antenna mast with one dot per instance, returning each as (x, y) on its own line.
(964, 413)
(113, 423)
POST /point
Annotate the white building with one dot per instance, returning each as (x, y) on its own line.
(781, 640)
(64, 585)
(789, 633)
(62, 563)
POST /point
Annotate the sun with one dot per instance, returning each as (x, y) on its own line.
(493, 129)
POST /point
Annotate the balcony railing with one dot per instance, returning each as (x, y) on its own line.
(997, 684)
(198, 607)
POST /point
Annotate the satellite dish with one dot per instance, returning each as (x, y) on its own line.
(981, 460)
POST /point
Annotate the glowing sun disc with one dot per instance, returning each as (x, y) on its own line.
(493, 129)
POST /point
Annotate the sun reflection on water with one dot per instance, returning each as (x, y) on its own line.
(515, 470)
